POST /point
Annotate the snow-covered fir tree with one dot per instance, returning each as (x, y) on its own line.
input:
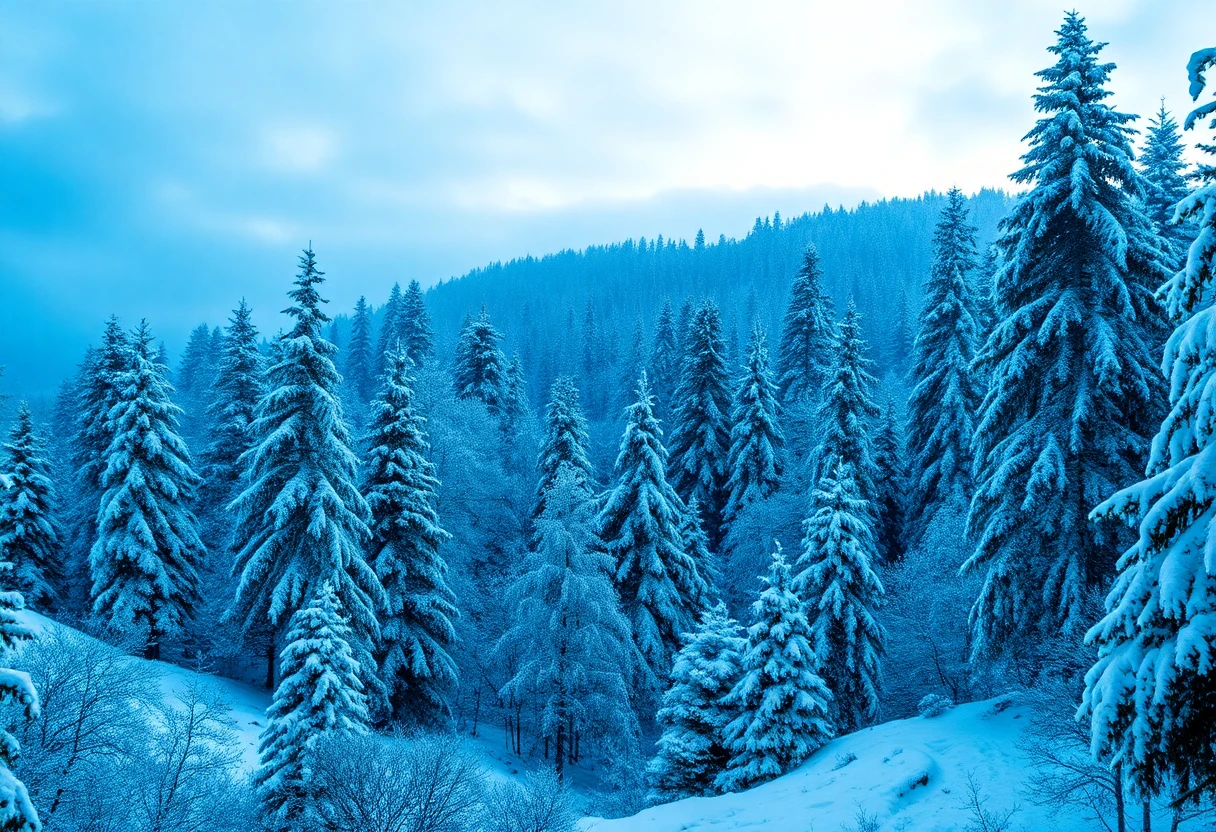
(194, 379)
(665, 358)
(30, 536)
(1151, 695)
(569, 641)
(301, 519)
(781, 703)
(359, 371)
(416, 630)
(632, 365)
(1073, 394)
(805, 356)
(319, 697)
(17, 692)
(239, 386)
(481, 371)
(890, 525)
(696, 546)
(756, 460)
(414, 327)
(144, 563)
(900, 338)
(837, 581)
(660, 588)
(693, 717)
(945, 394)
(390, 327)
(565, 442)
(700, 437)
(1164, 172)
(847, 413)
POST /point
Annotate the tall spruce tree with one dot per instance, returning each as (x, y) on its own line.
(1073, 392)
(17, 811)
(780, 701)
(390, 327)
(900, 338)
(320, 697)
(633, 364)
(1164, 172)
(193, 381)
(848, 411)
(666, 355)
(360, 369)
(570, 642)
(805, 355)
(945, 393)
(693, 718)
(838, 583)
(145, 561)
(566, 442)
(696, 547)
(660, 588)
(30, 536)
(1151, 695)
(890, 523)
(756, 460)
(416, 630)
(700, 438)
(415, 325)
(301, 519)
(481, 371)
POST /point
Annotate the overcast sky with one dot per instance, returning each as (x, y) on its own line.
(164, 159)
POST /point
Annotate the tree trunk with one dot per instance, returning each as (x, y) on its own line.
(1146, 822)
(1120, 813)
(270, 664)
(559, 756)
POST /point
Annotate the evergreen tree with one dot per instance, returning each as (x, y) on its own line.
(756, 462)
(661, 591)
(696, 546)
(145, 561)
(780, 701)
(945, 394)
(900, 337)
(360, 369)
(301, 520)
(390, 327)
(194, 379)
(17, 812)
(1073, 391)
(805, 356)
(30, 536)
(1164, 172)
(665, 359)
(838, 584)
(415, 325)
(319, 697)
(570, 642)
(848, 411)
(890, 487)
(416, 632)
(700, 439)
(565, 442)
(693, 717)
(481, 370)
(1151, 695)
(632, 367)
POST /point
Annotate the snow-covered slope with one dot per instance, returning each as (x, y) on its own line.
(912, 774)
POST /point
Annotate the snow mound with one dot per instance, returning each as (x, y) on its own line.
(910, 774)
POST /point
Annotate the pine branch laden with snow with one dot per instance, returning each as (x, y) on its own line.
(1151, 695)
(804, 357)
(481, 371)
(945, 394)
(782, 704)
(660, 588)
(848, 411)
(1073, 395)
(144, 564)
(416, 629)
(837, 583)
(30, 535)
(571, 645)
(693, 718)
(301, 518)
(318, 698)
(756, 460)
(700, 436)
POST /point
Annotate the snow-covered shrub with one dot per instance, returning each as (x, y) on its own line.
(934, 704)
(542, 805)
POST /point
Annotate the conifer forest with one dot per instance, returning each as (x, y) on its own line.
(895, 515)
